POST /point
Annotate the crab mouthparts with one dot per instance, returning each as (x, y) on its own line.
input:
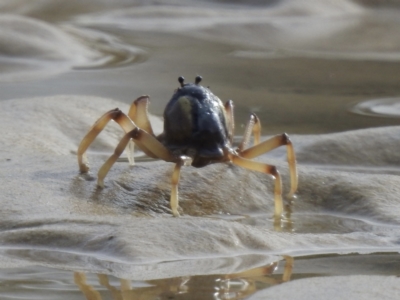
(207, 156)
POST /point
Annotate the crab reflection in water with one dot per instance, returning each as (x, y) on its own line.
(222, 287)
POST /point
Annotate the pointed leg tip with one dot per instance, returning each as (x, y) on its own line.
(175, 213)
(277, 223)
(100, 184)
(84, 168)
(278, 202)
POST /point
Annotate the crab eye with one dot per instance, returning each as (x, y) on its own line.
(198, 79)
(181, 80)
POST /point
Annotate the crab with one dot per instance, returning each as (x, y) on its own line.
(198, 131)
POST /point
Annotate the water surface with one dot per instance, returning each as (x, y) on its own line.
(47, 283)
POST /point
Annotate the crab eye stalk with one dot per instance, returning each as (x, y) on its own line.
(198, 79)
(181, 80)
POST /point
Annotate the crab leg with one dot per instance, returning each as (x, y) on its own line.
(174, 201)
(264, 168)
(260, 273)
(86, 288)
(272, 143)
(255, 272)
(230, 119)
(287, 273)
(138, 112)
(112, 159)
(116, 115)
(145, 140)
(253, 127)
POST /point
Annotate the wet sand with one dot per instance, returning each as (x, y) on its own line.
(300, 66)
(54, 216)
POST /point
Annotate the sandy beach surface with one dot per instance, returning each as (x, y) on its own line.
(53, 216)
(324, 72)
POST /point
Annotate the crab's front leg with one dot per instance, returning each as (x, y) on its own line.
(156, 149)
(115, 114)
(174, 200)
(137, 117)
(148, 143)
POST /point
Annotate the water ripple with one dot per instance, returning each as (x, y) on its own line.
(30, 49)
(112, 51)
(383, 107)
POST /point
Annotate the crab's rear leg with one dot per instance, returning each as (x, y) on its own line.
(118, 116)
(267, 169)
(253, 126)
(138, 112)
(270, 144)
(230, 119)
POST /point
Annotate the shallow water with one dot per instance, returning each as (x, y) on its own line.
(47, 283)
(305, 68)
(271, 60)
